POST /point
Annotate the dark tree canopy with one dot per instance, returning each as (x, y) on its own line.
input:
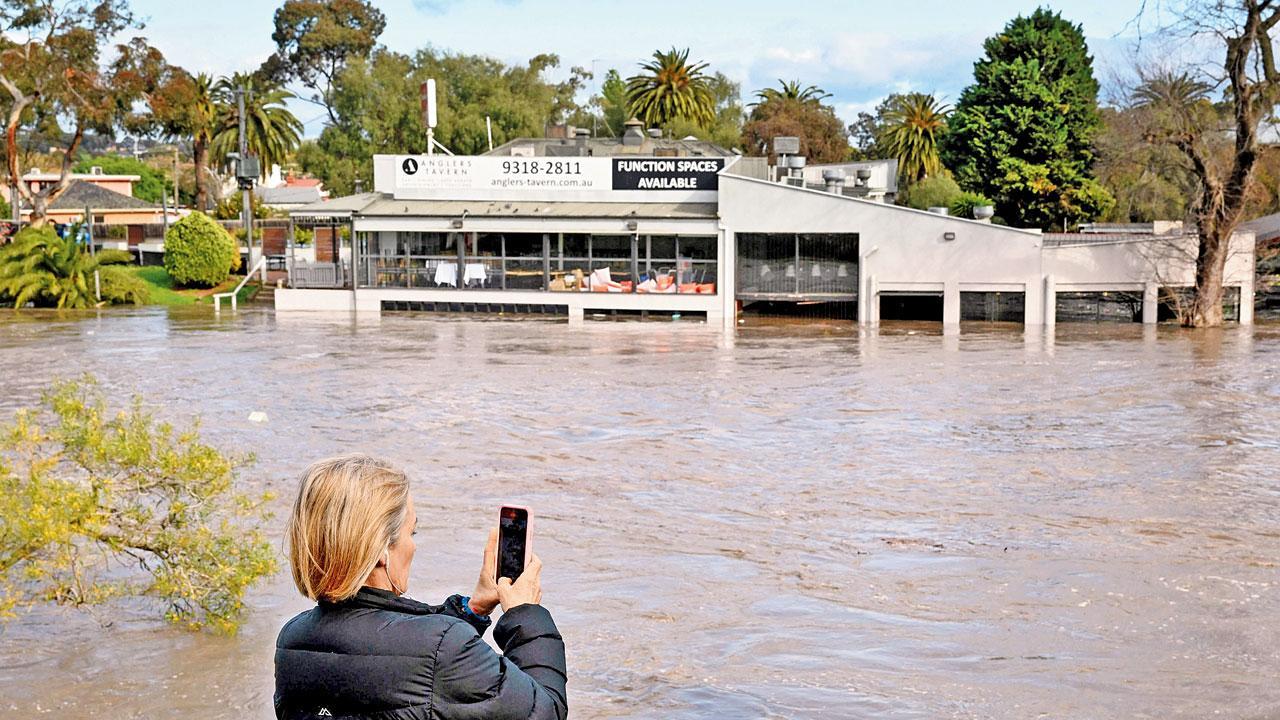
(822, 134)
(1023, 132)
(316, 38)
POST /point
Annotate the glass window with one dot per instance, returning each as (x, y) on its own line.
(611, 246)
(488, 245)
(698, 248)
(573, 245)
(662, 247)
(524, 246)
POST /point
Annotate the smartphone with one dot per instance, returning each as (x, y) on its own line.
(515, 541)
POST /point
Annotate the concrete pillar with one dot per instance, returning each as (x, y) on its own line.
(1150, 303)
(1246, 300)
(1033, 303)
(1049, 302)
(951, 306)
(576, 315)
(727, 280)
(872, 302)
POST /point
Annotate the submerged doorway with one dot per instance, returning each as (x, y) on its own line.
(912, 306)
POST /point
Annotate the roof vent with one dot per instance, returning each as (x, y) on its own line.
(633, 134)
(95, 170)
(655, 133)
(834, 180)
(939, 210)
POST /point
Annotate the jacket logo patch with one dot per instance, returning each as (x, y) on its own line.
(324, 712)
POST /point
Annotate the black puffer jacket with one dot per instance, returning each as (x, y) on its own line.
(382, 657)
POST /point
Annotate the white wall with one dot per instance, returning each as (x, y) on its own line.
(1169, 261)
(905, 250)
(901, 249)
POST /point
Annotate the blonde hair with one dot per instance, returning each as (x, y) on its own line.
(349, 510)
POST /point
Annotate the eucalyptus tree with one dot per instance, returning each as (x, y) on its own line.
(317, 39)
(56, 84)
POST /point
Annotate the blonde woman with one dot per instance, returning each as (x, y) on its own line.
(367, 651)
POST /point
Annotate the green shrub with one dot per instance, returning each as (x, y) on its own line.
(99, 502)
(117, 232)
(936, 191)
(239, 234)
(119, 286)
(963, 205)
(303, 236)
(232, 207)
(197, 251)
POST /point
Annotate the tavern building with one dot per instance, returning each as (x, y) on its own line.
(645, 225)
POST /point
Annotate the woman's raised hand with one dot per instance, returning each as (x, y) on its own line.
(485, 597)
(526, 590)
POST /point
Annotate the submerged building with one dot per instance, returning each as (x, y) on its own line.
(642, 225)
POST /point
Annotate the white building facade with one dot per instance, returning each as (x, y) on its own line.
(689, 235)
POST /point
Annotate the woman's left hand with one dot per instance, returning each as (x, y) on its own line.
(485, 598)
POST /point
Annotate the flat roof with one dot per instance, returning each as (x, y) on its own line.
(381, 205)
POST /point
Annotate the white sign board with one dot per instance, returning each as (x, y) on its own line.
(550, 179)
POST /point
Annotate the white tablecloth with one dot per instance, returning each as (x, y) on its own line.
(447, 274)
(475, 271)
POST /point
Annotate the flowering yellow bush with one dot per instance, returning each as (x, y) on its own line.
(83, 488)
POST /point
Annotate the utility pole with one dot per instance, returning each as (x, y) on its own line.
(175, 177)
(246, 184)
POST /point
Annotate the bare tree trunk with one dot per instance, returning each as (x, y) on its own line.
(1206, 308)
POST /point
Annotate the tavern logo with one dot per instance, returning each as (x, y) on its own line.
(410, 166)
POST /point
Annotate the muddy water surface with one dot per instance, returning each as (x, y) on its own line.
(801, 521)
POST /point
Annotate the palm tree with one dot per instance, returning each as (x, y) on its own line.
(205, 115)
(671, 87)
(910, 133)
(1176, 103)
(40, 267)
(791, 90)
(272, 131)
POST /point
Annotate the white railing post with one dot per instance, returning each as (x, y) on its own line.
(217, 299)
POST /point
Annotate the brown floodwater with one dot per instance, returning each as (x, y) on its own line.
(799, 521)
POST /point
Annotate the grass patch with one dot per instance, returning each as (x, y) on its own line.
(162, 291)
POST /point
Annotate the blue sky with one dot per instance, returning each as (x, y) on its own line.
(858, 50)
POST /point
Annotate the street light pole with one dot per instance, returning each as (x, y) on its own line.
(175, 177)
(246, 217)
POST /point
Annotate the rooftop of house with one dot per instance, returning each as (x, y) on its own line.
(295, 181)
(289, 194)
(81, 194)
(38, 176)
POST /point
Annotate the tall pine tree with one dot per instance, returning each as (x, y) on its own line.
(1023, 133)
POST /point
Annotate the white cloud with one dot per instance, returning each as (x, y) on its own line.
(801, 57)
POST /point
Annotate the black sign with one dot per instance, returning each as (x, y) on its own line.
(651, 173)
(410, 166)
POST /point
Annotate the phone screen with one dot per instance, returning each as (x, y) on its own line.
(513, 536)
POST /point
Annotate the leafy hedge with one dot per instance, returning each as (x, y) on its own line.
(197, 251)
(934, 191)
(119, 286)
